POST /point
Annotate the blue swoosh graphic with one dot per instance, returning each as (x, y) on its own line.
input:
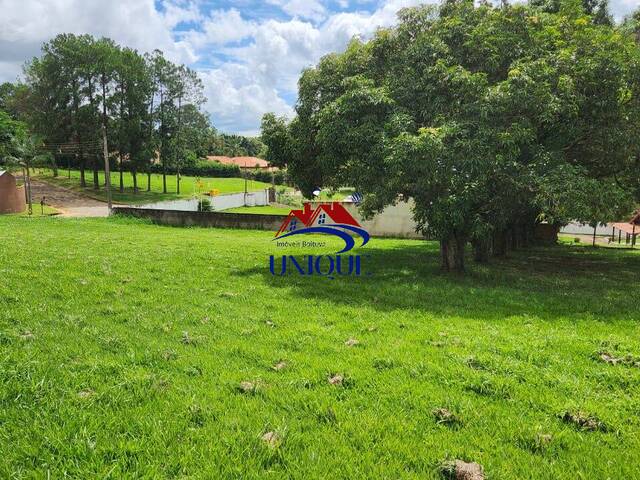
(334, 230)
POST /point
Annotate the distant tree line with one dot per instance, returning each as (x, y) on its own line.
(492, 119)
(149, 107)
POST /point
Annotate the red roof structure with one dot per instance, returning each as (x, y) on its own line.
(631, 229)
(627, 227)
(242, 162)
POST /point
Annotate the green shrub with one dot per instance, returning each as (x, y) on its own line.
(204, 205)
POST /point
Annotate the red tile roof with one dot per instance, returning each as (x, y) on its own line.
(626, 227)
(242, 162)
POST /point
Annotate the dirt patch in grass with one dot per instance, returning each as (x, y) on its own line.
(461, 470)
(583, 421)
(627, 360)
(444, 416)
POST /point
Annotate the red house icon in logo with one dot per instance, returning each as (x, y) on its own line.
(332, 213)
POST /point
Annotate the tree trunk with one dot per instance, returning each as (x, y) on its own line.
(153, 94)
(94, 164)
(452, 254)
(515, 239)
(134, 174)
(481, 250)
(178, 152)
(526, 235)
(595, 228)
(164, 178)
(121, 177)
(121, 134)
(105, 152)
(508, 240)
(500, 243)
(96, 180)
(76, 106)
(83, 180)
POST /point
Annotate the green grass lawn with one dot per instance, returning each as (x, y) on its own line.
(39, 211)
(265, 210)
(123, 345)
(188, 185)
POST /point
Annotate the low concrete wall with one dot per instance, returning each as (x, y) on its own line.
(179, 218)
(394, 221)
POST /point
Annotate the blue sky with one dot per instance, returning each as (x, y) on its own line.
(249, 53)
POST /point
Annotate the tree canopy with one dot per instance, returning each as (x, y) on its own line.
(477, 113)
(150, 107)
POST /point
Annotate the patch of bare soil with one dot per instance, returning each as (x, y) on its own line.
(461, 470)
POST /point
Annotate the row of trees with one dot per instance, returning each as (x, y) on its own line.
(149, 107)
(490, 118)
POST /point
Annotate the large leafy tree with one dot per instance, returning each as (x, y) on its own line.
(133, 88)
(189, 96)
(81, 86)
(466, 110)
(12, 134)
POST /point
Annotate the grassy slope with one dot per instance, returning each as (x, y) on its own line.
(187, 186)
(107, 387)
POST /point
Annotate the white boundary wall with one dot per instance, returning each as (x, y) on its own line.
(393, 221)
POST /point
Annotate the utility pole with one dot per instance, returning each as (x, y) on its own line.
(107, 172)
(245, 183)
(28, 185)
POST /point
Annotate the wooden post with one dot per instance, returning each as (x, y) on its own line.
(245, 183)
(28, 184)
(107, 172)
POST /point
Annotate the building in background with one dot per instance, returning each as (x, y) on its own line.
(250, 163)
(12, 199)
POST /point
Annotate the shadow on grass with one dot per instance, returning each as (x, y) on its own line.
(547, 282)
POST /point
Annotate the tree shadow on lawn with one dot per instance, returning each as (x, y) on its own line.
(547, 282)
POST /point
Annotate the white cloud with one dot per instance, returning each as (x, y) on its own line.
(26, 24)
(237, 101)
(306, 9)
(621, 8)
(220, 27)
(249, 64)
(273, 61)
(175, 14)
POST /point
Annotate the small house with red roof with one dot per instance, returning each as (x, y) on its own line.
(325, 213)
(245, 163)
(11, 196)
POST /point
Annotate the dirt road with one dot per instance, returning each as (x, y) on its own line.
(70, 203)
